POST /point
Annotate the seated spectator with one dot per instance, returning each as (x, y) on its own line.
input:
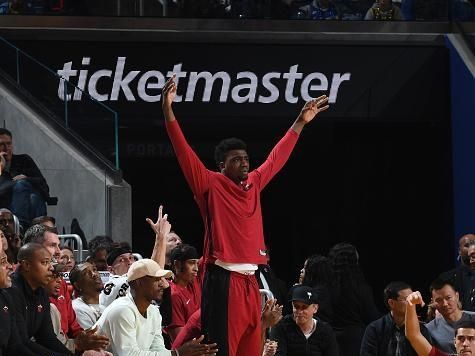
(88, 285)
(98, 248)
(300, 334)
(67, 258)
(445, 299)
(386, 336)
(9, 341)
(4, 241)
(185, 288)
(384, 10)
(318, 274)
(29, 192)
(173, 240)
(31, 304)
(461, 278)
(77, 339)
(133, 323)
(86, 339)
(353, 301)
(44, 220)
(11, 229)
(320, 10)
(53, 289)
(119, 261)
(48, 238)
(464, 333)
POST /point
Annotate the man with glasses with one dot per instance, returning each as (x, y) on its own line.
(385, 336)
(445, 299)
(464, 340)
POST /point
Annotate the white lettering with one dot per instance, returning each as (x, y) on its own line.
(122, 83)
(336, 81)
(92, 87)
(143, 86)
(291, 76)
(250, 87)
(271, 88)
(209, 82)
(242, 88)
(66, 73)
(323, 86)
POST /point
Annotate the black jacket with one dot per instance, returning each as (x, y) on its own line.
(381, 339)
(33, 318)
(292, 342)
(10, 343)
(24, 164)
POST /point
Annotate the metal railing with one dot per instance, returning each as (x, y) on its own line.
(70, 106)
(79, 251)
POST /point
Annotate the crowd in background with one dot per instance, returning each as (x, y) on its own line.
(385, 10)
(54, 304)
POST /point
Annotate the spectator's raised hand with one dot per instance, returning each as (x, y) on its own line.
(161, 227)
(415, 298)
(271, 314)
(196, 348)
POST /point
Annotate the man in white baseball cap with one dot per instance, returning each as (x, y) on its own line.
(134, 324)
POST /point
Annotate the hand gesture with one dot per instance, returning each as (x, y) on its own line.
(195, 348)
(313, 107)
(271, 314)
(169, 92)
(90, 340)
(415, 298)
(161, 227)
(270, 348)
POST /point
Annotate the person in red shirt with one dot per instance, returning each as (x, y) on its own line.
(230, 206)
(185, 288)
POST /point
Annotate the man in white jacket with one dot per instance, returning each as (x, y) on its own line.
(134, 324)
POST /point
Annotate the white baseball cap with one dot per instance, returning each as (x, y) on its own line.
(146, 267)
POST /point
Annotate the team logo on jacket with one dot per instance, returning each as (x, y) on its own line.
(5, 309)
